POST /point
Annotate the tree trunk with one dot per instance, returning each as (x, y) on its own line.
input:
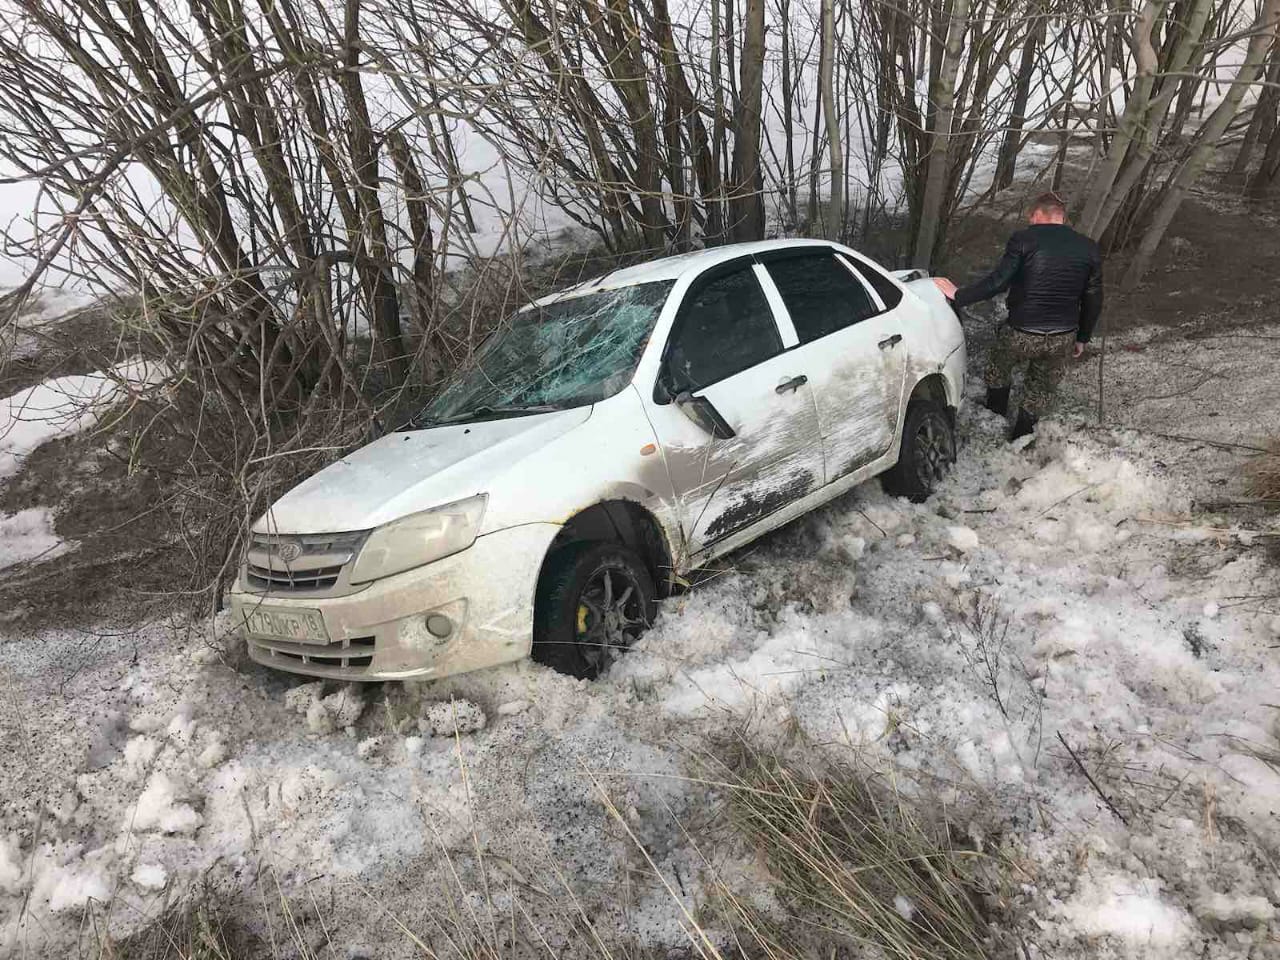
(1008, 161)
(1262, 181)
(833, 222)
(747, 204)
(717, 231)
(1264, 117)
(1135, 111)
(937, 167)
(371, 258)
(1263, 32)
(1148, 135)
(790, 189)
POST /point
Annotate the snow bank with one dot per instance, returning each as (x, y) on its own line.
(28, 535)
(947, 644)
(56, 408)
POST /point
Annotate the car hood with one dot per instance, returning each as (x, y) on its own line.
(403, 473)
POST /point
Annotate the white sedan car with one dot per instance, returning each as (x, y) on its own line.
(605, 441)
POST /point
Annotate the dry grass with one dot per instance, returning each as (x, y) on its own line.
(194, 929)
(1263, 474)
(860, 864)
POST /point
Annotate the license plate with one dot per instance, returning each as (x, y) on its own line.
(286, 623)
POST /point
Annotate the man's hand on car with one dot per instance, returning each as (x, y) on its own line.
(946, 286)
(1078, 351)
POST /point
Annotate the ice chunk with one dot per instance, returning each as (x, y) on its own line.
(345, 706)
(441, 719)
(139, 753)
(338, 710)
(906, 909)
(72, 886)
(300, 698)
(1211, 610)
(213, 754)
(150, 876)
(962, 538)
(161, 807)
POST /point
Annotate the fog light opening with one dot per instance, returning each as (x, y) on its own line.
(439, 626)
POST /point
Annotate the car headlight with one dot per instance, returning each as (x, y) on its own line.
(419, 538)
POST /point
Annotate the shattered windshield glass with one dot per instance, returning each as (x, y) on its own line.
(563, 354)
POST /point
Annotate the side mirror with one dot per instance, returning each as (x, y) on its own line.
(702, 413)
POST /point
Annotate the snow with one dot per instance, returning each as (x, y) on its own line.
(1058, 589)
(56, 408)
(28, 535)
(11, 870)
(1131, 912)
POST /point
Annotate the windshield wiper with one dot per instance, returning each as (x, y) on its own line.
(487, 410)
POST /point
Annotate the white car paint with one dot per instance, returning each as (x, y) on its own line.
(792, 452)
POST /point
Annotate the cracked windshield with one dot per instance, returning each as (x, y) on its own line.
(564, 354)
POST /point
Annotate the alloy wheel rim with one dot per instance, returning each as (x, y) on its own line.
(934, 451)
(609, 617)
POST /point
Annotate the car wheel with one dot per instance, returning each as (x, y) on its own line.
(928, 451)
(594, 602)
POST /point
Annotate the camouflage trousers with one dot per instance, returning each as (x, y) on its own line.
(1045, 358)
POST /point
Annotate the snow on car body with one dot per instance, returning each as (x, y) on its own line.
(609, 439)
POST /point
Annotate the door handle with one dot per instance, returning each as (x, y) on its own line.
(794, 384)
(893, 341)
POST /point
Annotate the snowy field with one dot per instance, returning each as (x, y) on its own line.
(1058, 599)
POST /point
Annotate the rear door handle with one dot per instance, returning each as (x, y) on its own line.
(794, 384)
(893, 341)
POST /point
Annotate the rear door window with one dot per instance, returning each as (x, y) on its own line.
(724, 327)
(821, 294)
(885, 288)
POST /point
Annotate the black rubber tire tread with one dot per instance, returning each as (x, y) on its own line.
(901, 480)
(555, 612)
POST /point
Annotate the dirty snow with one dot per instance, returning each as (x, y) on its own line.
(1057, 599)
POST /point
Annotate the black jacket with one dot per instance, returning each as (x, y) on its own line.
(1054, 279)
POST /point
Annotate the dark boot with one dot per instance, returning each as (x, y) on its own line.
(1024, 425)
(997, 400)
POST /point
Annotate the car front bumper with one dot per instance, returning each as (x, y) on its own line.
(380, 632)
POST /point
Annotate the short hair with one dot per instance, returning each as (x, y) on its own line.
(1050, 203)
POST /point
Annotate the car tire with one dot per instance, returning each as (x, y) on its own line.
(594, 601)
(927, 453)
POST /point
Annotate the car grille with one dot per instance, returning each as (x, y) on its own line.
(345, 656)
(278, 564)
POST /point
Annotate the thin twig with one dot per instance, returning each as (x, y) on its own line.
(1092, 782)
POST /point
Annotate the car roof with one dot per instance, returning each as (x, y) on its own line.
(675, 267)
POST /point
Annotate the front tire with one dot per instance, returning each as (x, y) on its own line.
(594, 602)
(928, 451)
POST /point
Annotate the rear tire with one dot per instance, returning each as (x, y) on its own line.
(594, 601)
(928, 451)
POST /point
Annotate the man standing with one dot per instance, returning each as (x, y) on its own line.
(1054, 279)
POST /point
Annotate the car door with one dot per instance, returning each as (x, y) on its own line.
(726, 355)
(851, 345)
